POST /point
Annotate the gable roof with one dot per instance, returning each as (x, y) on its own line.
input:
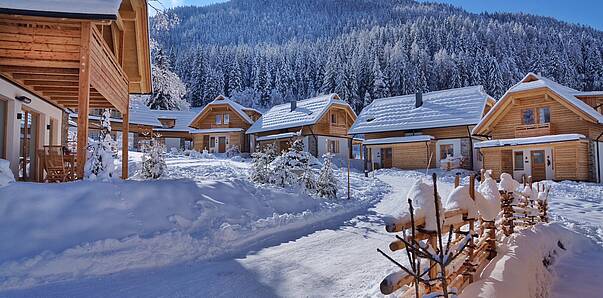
(533, 81)
(85, 9)
(445, 108)
(308, 112)
(221, 100)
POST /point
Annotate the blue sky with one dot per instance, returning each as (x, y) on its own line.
(586, 12)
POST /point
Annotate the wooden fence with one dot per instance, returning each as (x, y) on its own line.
(471, 243)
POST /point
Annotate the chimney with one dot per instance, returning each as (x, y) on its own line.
(293, 105)
(418, 99)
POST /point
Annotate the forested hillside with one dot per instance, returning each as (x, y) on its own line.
(265, 52)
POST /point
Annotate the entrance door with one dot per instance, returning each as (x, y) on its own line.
(27, 147)
(538, 165)
(386, 157)
(221, 144)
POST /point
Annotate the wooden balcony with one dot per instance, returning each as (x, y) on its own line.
(533, 130)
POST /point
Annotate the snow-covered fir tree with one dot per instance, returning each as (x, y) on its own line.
(100, 163)
(418, 46)
(153, 159)
(326, 186)
(308, 180)
(281, 173)
(260, 167)
(168, 89)
(296, 158)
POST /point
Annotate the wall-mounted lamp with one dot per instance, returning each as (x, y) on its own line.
(23, 99)
(19, 116)
(48, 126)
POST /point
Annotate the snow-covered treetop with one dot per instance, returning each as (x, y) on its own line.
(459, 106)
(307, 112)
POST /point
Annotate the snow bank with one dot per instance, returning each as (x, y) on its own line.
(507, 183)
(72, 230)
(6, 175)
(527, 261)
(460, 198)
(488, 202)
(422, 197)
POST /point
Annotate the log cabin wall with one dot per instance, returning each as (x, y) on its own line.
(570, 159)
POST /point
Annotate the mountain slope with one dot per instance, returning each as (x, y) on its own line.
(265, 52)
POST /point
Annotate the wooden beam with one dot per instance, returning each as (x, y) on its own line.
(68, 78)
(30, 62)
(39, 70)
(124, 143)
(35, 83)
(84, 94)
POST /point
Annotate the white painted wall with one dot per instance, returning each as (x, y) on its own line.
(456, 147)
(323, 146)
(46, 111)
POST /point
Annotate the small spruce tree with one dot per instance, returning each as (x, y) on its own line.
(100, 162)
(327, 183)
(153, 159)
(260, 173)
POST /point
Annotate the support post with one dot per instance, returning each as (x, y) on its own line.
(365, 155)
(349, 195)
(83, 99)
(124, 143)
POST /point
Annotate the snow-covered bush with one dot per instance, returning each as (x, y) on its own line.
(153, 159)
(100, 163)
(232, 150)
(296, 158)
(308, 180)
(6, 175)
(260, 171)
(326, 186)
(281, 173)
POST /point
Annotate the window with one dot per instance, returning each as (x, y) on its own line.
(445, 150)
(334, 118)
(219, 119)
(226, 118)
(333, 146)
(544, 115)
(212, 142)
(528, 117)
(518, 160)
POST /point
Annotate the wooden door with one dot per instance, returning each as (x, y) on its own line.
(386, 157)
(538, 165)
(221, 144)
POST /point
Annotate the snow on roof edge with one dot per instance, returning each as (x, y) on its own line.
(529, 141)
(398, 140)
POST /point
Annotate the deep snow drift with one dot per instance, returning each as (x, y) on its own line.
(204, 209)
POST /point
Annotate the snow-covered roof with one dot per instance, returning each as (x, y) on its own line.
(221, 100)
(445, 108)
(533, 81)
(530, 140)
(277, 136)
(307, 112)
(216, 130)
(398, 140)
(82, 8)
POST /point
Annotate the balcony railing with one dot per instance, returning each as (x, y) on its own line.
(533, 130)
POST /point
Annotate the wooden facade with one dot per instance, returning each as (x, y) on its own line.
(543, 112)
(221, 125)
(79, 62)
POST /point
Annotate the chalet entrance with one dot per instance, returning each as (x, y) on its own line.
(221, 144)
(538, 165)
(28, 144)
(386, 157)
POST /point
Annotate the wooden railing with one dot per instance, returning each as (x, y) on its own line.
(107, 76)
(473, 239)
(533, 130)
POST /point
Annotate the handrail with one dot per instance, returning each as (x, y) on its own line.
(108, 53)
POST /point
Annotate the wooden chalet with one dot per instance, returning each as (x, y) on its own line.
(321, 122)
(77, 55)
(542, 129)
(421, 131)
(221, 124)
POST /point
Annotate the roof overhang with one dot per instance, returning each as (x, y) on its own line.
(398, 140)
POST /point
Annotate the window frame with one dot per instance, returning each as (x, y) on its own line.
(540, 109)
(333, 118)
(219, 119)
(226, 118)
(212, 142)
(333, 146)
(451, 146)
(534, 116)
(515, 155)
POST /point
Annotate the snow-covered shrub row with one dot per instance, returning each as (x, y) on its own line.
(294, 167)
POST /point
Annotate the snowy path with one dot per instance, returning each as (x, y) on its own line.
(336, 258)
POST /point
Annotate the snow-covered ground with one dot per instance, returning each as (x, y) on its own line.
(228, 237)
